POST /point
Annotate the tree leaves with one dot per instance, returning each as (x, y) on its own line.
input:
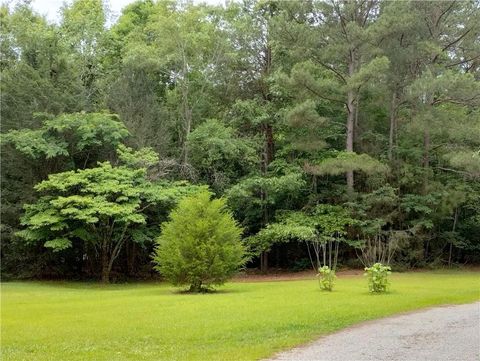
(75, 203)
(347, 161)
(68, 135)
(322, 223)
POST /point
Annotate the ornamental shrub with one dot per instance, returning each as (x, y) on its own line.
(326, 278)
(200, 246)
(378, 277)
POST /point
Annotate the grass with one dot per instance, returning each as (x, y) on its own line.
(244, 321)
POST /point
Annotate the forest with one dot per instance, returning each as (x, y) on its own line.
(342, 131)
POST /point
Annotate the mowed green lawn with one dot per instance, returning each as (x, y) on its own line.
(244, 321)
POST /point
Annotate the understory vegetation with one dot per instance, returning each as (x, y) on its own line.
(335, 134)
(243, 321)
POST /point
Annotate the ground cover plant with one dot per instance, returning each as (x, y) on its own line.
(244, 321)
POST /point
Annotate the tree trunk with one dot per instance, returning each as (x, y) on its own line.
(105, 265)
(427, 246)
(426, 159)
(269, 144)
(131, 251)
(350, 122)
(356, 126)
(393, 125)
(349, 143)
(196, 287)
(267, 158)
(455, 218)
(450, 254)
(187, 115)
(186, 110)
(267, 129)
(269, 147)
(264, 262)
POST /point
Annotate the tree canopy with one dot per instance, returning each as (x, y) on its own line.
(367, 110)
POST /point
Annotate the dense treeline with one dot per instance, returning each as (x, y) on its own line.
(350, 124)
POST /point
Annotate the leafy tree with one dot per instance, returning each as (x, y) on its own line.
(255, 199)
(200, 245)
(322, 228)
(66, 142)
(69, 141)
(273, 104)
(335, 44)
(37, 74)
(83, 31)
(190, 44)
(219, 155)
(345, 161)
(251, 30)
(135, 82)
(100, 207)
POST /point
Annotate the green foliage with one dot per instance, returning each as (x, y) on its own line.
(306, 127)
(84, 200)
(219, 155)
(37, 75)
(326, 278)
(257, 196)
(466, 160)
(35, 143)
(378, 278)
(143, 158)
(101, 207)
(200, 245)
(321, 224)
(348, 161)
(275, 105)
(83, 31)
(68, 135)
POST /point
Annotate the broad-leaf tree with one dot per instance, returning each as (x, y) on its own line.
(100, 207)
(322, 228)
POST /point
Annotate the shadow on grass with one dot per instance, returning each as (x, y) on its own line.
(91, 285)
(183, 291)
(140, 289)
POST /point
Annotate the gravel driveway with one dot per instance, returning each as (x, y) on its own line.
(437, 334)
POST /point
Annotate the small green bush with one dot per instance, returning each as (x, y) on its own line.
(378, 277)
(200, 246)
(326, 278)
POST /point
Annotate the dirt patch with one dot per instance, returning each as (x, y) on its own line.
(254, 275)
(279, 275)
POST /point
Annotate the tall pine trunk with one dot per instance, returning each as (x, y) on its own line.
(426, 159)
(393, 126)
(350, 121)
(349, 142)
(269, 145)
